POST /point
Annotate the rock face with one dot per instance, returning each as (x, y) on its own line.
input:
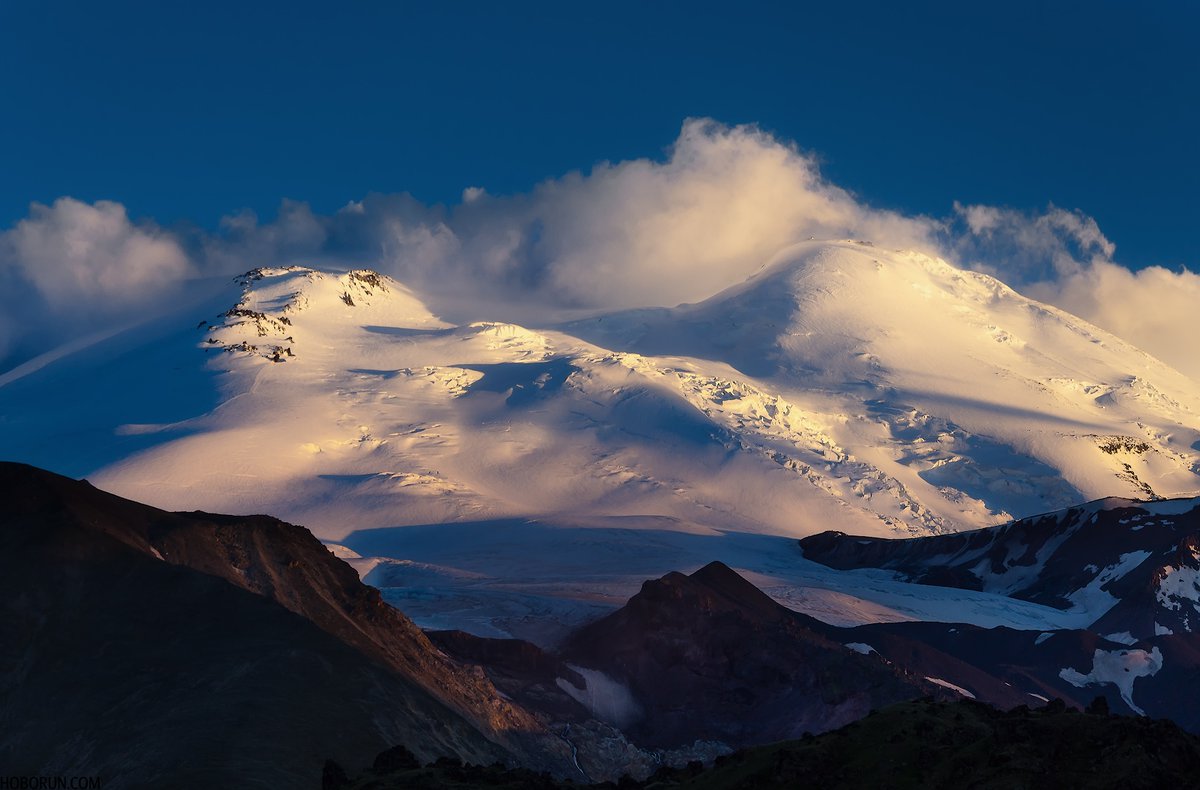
(1007, 668)
(1126, 567)
(1128, 571)
(522, 671)
(709, 656)
(146, 646)
(195, 649)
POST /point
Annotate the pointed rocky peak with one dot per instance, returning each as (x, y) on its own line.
(731, 586)
(715, 589)
(279, 304)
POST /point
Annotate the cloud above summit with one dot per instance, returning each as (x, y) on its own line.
(71, 267)
(1062, 258)
(643, 232)
(626, 234)
(720, 203)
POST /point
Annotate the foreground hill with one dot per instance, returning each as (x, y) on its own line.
(709, 657)
(193, 649)
(198, 649)
(922, 744)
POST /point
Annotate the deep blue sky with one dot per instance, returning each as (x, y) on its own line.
(192, 111)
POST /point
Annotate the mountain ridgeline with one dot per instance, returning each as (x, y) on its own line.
(882, 392)
(196, 649)
(193, 648)
(592, 547)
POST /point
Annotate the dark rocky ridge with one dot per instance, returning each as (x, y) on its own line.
(1144, 556)
(1005, 667)
(922, 744)
(143, 645)
(709, 656)
(199, 649)
(1047, 558)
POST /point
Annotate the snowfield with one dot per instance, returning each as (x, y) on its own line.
(488, 474)
(1119, 667)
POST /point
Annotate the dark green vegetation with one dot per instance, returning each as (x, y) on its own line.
(922, 744)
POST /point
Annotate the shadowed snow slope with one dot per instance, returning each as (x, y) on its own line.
(1128, 569)
(844, 386)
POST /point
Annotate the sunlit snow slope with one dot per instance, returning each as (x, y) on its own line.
(875, 391)
(939, 398)
(842, 387)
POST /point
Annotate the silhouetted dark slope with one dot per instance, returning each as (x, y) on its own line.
(922, 744)
(521, 670)
(1127, 566)
(1128, 573)
(937, 745)
(709, 656)
(197, 650)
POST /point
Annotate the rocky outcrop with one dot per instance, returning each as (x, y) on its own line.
(1129, 567)
(146, 646)
(710, 656)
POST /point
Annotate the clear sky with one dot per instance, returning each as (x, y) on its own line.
(192, 111)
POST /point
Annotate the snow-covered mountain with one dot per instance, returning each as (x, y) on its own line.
(1128, 570)
(1127, 573)
(843, 386)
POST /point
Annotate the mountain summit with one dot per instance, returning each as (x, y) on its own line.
(843, 386)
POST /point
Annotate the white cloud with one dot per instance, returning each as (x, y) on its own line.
(77, 254)
(1062, 257)
(642, 232)
(243, 243)
(73, 266)
(1153, 308)
(632, 233)
(1028, 246)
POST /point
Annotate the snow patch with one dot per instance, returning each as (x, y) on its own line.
(1094, 599)
(342, 552)
(951, 686)
(607, 699)
(862, 647)
(1123, 637)
(1119, 667)
(1177, 586)
(1170, 507)
(1042, 638)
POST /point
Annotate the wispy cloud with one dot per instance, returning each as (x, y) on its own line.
(644, 232)
(1062, 257)
(72, 266)
(719, 204)
(625, 234)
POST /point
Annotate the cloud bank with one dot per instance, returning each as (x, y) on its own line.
(72, 267)
(720, 203)
(1062, 258)
(628, 234)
